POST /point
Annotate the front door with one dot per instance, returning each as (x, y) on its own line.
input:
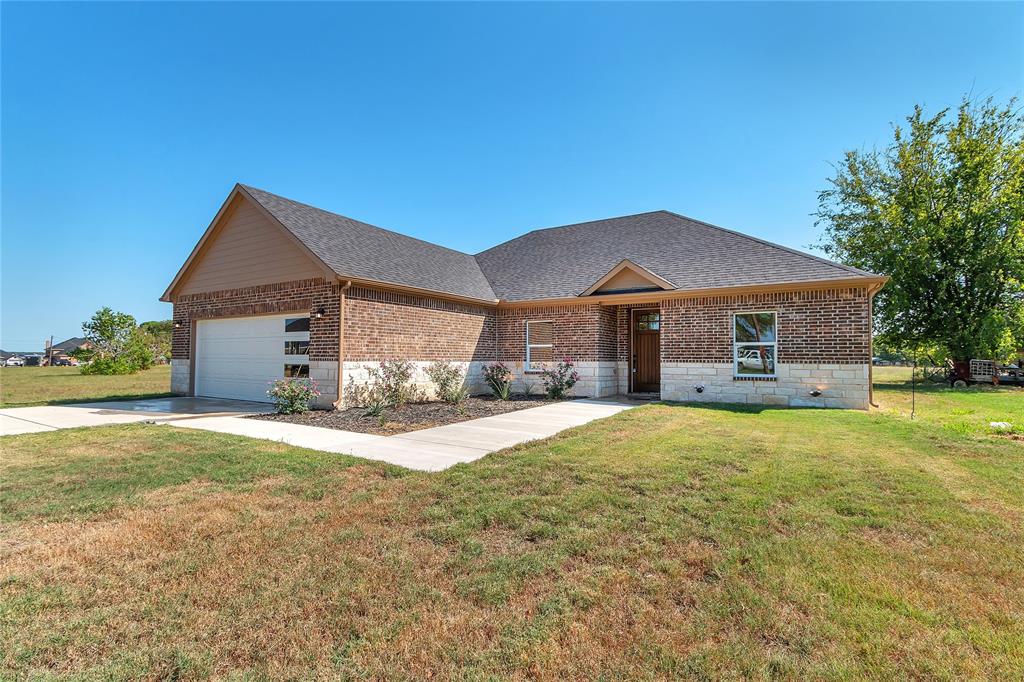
(646, 326)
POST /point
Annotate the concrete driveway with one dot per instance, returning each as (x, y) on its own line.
(15, 420)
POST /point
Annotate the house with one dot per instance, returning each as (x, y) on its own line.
(653, 303)
(62, 351)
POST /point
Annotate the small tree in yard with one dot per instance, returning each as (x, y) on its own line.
(116, 346)
(941, 210)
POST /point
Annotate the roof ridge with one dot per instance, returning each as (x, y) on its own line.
(773, 245)
(356, 220)
(559, 227)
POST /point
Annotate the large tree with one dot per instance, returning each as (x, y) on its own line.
(116, 345)
(941, 211)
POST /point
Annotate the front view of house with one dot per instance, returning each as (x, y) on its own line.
(653, 303)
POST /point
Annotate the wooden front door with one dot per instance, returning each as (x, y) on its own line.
(646, 325)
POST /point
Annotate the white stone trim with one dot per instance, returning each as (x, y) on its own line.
(181, 376)
(844, 386)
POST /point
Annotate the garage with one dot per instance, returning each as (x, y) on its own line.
(239, 357)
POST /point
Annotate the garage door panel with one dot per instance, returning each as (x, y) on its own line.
(240, 357)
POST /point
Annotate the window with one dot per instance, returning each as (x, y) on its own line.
(754, 344)
(296, 371)
(296, 324)
(648, 322)
(296, 347)
(539, 343)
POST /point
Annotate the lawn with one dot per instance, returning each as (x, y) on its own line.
(667, 541)
(23, 386)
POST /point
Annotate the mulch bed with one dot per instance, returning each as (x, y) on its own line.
(408, 417)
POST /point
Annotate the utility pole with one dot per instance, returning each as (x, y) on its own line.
(49, 352)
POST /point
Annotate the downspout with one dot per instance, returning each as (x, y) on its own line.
(339, 403)
(871, 345)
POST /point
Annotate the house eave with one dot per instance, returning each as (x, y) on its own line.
(870, 283)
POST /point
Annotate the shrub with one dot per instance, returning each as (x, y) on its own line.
(558, 381)
(448, 378)
(293, 395)
(392, 378)
(498, 378)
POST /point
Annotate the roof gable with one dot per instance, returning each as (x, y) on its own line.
(361, 251)
(627, 277)
(244, 246)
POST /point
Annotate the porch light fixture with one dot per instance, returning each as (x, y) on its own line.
(177, 324)
(815, 393)
(699, 388)
(320, 312)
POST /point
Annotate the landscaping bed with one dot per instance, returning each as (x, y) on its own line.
(410, 416)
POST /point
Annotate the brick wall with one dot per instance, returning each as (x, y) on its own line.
(382, 324)
(267, 299)
(580, 331)
(824, 326)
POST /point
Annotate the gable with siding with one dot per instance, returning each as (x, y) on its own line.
(247, 249)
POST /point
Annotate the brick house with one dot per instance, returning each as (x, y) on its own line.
(651, 303)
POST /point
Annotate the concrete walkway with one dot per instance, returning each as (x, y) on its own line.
(16, 420)
(433, 449)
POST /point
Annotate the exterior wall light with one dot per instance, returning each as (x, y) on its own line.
(699, 388)
(177, 324)
(815, 393)
(320, 312)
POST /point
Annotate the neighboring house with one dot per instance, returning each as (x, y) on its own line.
(63, 350)
(648, 303)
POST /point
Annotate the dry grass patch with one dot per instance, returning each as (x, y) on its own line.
(668, 541)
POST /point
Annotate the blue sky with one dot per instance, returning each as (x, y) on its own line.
(124, 126)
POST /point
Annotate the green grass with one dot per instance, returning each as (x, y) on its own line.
(24, 386)
(668, 541)
(962, 410)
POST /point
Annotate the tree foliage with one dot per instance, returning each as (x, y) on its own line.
(157, 336)
(116, 344)
(941, 211)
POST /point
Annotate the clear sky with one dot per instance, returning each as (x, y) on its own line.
(124, 126)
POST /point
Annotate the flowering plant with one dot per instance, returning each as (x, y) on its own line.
(293, 395)
(561, 379)
(498, 378)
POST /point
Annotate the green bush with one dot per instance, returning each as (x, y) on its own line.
(293, 396)
(498, 378)
(448, 378)
(392, 378)
(560, 380)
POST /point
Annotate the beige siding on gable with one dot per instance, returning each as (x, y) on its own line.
(247, 250)
(627, 279)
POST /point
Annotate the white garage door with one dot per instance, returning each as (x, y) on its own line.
(239, 357)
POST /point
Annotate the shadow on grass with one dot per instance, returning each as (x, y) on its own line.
(739, 408)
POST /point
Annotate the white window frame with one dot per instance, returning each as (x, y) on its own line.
(529, 368)
(736, 346)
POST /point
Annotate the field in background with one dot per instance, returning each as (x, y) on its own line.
(23, 386)
(962, 410)
(670, 541)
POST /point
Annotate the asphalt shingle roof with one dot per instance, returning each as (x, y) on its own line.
(565, 261)
(359, 250)
(554, 262)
